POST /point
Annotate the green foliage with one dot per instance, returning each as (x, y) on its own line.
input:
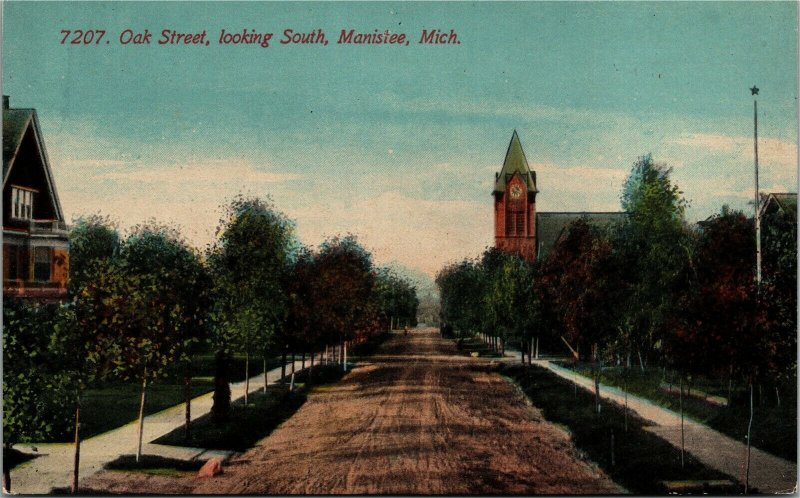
(39, 381)
(342, 292)
(461, 299)
(91, 239)
(395, 298)
(248, 261)
(654, 245)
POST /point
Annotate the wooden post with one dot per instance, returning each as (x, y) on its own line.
(77, 460)
(141, 417)
(683, 446)
(246, 376)
(749, 428)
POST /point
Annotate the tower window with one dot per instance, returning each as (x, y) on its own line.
(515, 223)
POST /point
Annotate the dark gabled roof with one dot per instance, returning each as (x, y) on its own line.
(16, 123)
(785, 201)
(515, 162)
(551, 226)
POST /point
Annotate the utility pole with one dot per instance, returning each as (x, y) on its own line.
(754, 92)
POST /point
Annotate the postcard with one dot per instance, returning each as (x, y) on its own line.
(399, 248)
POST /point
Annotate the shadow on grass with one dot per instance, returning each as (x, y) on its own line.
(771, 423)
(643, 462)
(12, 458)
(247, 425)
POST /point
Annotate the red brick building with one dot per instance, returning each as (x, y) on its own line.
(515, 204)
(35, 243)
(518, 228)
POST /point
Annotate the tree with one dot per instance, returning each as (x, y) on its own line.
(39, 382)
(654, 245)
(460, 291)
(90, 239)
(248, 262)
(342, 290)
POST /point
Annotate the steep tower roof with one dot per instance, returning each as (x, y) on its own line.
(515, 162)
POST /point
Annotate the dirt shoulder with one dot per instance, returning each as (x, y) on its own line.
(417, 418)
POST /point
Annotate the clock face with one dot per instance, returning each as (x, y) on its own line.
(516, 192)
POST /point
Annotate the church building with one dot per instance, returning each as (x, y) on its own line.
(518, 228)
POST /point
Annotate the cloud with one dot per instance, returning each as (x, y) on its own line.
(421, 234)
(206, 172)
(771, 151)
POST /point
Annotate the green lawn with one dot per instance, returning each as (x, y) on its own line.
(774, 428)
(641, 460)
(116, 404)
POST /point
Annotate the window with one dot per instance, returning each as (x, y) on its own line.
(21, 203)
(515, 223)
(13, 263)
(41, 264)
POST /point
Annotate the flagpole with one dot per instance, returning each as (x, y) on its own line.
(754, 92)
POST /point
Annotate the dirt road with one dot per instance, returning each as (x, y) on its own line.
(416, 419)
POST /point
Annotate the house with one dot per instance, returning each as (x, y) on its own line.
(518, 228)
(782, 203)
(35, 242)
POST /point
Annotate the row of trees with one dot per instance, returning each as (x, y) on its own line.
(651, 290)
(143, 304)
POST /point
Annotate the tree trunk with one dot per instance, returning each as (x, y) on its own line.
(311, 370)
(749, 428)
(522, 352)
(303, 360)
(531, 351)
(283, 365)
(141, 418)
(730, 385)
(6, 478)
(77, 460)
(292, 362)
(187, 394)
(266, 382)
(683, 446)
(778, 395)
(596, 376)
(222, 389)
(344, 347)
(641, 361)
(625, 390)
(246, 376)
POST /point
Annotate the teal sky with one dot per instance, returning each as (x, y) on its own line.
(399, 144)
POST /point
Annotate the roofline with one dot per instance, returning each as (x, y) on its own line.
(17, 146)
(48, 173)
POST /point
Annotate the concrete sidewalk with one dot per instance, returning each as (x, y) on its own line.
(53, 467)
(768, 473)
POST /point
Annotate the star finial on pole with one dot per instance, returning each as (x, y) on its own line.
(754, 90)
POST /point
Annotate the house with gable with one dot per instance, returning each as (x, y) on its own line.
(35, 237)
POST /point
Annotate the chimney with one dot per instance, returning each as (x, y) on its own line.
(5, 101)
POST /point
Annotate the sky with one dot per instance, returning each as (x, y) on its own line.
(399, 144)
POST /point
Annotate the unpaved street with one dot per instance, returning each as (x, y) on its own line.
(415, 419)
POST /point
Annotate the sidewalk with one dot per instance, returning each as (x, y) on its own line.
(53, 468)
(768, 473)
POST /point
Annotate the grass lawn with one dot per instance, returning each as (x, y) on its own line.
(248, 424)
(114, 405)
(642, 461)
(774, 428)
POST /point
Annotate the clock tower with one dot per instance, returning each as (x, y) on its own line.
(515, 204)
